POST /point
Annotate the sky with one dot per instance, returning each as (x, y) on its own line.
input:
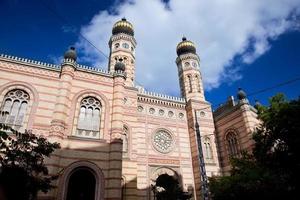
(250, 44)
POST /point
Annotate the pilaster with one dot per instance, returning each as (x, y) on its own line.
(60, 114)
(114, 186)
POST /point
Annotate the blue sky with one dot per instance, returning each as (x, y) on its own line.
(251, 46)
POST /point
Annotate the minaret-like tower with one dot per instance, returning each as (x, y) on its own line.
(122, 48)
(188, 64)
(199, 114)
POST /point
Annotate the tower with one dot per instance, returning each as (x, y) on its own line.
(188, 64)
(122, 49)
(199, 114)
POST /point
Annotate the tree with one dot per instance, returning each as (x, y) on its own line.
(22, 169)
(271, 171)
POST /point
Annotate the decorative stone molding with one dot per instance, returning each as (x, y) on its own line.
(122, 36)
(57, 128)
(120, 73)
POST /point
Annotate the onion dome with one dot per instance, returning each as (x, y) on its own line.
(241, 94)
(123, 26)
(71, 54)
(185, 46)
(120, 66)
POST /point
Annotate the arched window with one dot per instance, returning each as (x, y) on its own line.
(125, 140)
(14, 105)
(89, 118)
(197, 83)
(232, 144)
(208, 149)
(189, 83)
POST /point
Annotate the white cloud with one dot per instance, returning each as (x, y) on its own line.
(221, 30)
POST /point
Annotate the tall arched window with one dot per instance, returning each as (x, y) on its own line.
(89, 118)
(189, 83)
(197, 83)
(125, 141)
(208, 149)
(232, 143)
(14, 105)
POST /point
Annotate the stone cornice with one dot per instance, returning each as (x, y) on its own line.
(122, 36)
(187, 56)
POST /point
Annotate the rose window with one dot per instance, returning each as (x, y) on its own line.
(162, 141)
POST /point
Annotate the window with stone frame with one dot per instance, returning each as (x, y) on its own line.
(208, 152)
(14, 106)
(190, 85)
(89, 118)
(125, 141)
(232, 144)
(197, 83)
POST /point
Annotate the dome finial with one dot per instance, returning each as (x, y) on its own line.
(124, 19)
(241, 94)
(183, 38)
(257, 104)
(71, 54)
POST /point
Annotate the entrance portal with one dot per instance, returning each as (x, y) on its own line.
(82, 185)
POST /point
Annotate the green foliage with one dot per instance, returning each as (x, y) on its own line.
(271, 171)
(22, 157)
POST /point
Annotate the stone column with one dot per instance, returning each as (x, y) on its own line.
(114, 187)
(60, 115)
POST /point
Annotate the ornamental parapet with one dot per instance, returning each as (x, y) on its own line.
(44, 65)
(29, 62)
(157, 98)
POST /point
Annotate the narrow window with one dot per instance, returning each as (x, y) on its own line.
(232, 143)
(189, 83)
(125, 140)
(197, 83)
(208, 149)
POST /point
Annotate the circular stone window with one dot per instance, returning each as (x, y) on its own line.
(162, 141)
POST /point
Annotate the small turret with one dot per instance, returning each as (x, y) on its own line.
(120, 66)
(241, 95)
(71, 54)
(257, 104)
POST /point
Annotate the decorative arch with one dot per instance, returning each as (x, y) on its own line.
(75, 110)
(32, 104)
(69, 170)
(163, 170)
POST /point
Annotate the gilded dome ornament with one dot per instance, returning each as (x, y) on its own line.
(185, 46)
(123, 26)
